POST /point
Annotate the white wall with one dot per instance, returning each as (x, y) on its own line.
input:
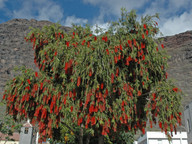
(161, 138)
(9, 142)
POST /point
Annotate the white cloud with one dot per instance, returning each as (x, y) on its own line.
(74, 20)
(24, 12)
(40, 10)
(177, 24)
(174, 14)
(103, 26)
(179, 3)
(108, 7)
(50, 12)
(2, 3)
(172, 19)
(46, 10)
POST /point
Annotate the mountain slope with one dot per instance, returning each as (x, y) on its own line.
(179, 47)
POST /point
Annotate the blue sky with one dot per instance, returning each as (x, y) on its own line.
(175, 15)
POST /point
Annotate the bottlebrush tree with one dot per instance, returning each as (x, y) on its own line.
(112, 82)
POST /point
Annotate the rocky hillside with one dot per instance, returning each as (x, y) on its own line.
(179, 47)
(15, 51)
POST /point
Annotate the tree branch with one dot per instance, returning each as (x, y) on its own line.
(70, 129)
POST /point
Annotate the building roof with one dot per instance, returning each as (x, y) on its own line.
(27, 124)
(15, 136)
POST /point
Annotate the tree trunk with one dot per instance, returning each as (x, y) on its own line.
(81, 135)
(88, 139)
(101, 139)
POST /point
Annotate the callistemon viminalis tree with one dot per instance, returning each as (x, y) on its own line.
(110, 82)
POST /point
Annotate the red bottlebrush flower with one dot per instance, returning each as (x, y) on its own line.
(74, 92)
(67, 43)
(55, 53)
(123, 103)
(147, 32)
(86, 126)
(66, 67)
(130, 43)
(103, 132)
(36, 74)
(139, 93)
(144, 26)
(119, 57)
(143, 130)
(93, 120)
(70, 94)
(143, 36)
(104, 38)
(28, 80)
(112, 78)
(78, 81)
(175, 89)
(88, 44)
(102, 85)
(129, 58)
(116, 50)
(83, 42)
(121, 48)
(143, 58)
(160, 125)
(71, 108)
(171, 117)
(95, 38)
(74, 33)
(106, 92)
(166, 75)
(4, 96)
(157, 49)
(162, 45)
(134, 42)
(62, 36)
(96, 109)
(180, 113)
(107, 51)
(35, 87)
(151, 124)
(115, 59)
(154, 95)
(142, 45)
(117, 72)
(90, 72)
(91, 109)
(127, 62)
(27, 88)
(41, 86)
(90, 35)
(121, 119)
(80, 120)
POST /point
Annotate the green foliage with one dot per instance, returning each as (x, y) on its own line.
(110, 83)
(8, 126)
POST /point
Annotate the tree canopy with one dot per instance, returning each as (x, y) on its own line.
(112, 82)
